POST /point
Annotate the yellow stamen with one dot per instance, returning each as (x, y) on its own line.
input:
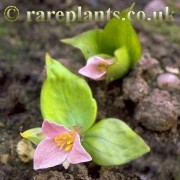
(68, 147)
(102, 66)
(65, 141)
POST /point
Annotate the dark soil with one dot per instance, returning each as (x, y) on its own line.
(153, 112)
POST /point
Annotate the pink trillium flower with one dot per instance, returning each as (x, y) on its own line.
(61, 146)
(96, 68)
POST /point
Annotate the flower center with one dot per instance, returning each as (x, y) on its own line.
(102, 66)
(65, 140)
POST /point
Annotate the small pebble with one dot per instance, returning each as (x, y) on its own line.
(172, 70)
(25, 150)
(168, 80)
(154, 5)
(2, 125)
(158, 111)
(4, 158)
(135, 88)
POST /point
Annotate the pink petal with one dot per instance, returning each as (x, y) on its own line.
(52, 129)
(92, 72)
(78, 154)
(96, 60)
(91, 69)
(47, 154)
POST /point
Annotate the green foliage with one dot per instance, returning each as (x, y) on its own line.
(35, 135)
(119, 33)
(121, 62)
(66, 99)
(112, 142)
(87, 42)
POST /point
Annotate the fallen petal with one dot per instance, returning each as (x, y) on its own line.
(47, 154)
(78, 154)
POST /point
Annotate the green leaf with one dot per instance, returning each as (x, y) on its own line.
(87, 42)
(66, 98)
(112, 142)
(125, 11)
(118, 33)
(121, 66)
(35, 135)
